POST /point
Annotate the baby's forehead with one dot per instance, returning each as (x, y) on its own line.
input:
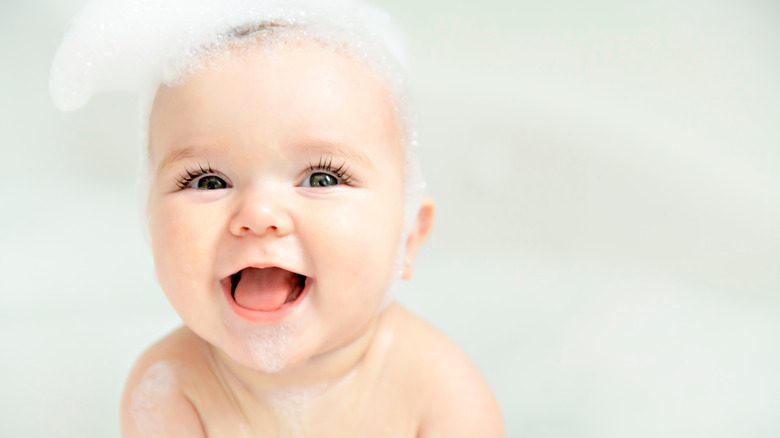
(294, 57)
(295, 73)
(306, 88)
(270, 40)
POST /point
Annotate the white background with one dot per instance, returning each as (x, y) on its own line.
(607, 246)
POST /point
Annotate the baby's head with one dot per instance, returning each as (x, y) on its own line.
(289, 157)
(284, 190)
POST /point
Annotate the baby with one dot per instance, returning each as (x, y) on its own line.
(284, 200)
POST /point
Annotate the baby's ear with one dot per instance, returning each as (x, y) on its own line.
(420, 230)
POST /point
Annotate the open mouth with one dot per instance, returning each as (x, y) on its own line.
(266, 289)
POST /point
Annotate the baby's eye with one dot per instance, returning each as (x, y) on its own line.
(202, 177)
(326, 174)
(320, 179)
(209, 182)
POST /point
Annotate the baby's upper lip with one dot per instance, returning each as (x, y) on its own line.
(263, 265)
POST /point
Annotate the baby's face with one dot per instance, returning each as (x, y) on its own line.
(276, 202)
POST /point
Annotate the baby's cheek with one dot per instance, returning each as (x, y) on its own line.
(370, 232)
(180, 246)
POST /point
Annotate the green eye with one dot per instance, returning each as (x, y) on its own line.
(320, 179)
(326, 174)
(210, 182)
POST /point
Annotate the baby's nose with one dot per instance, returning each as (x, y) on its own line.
(260, 214)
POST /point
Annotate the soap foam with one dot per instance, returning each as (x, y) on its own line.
(269, 347)
(156, 386)
(293, 404)
(124, 44)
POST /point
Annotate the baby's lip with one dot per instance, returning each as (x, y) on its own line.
(230, 279)
(237, 270)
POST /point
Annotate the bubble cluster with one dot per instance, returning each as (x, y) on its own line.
(269, 347)
(266, 347)
(157, 385)
(137, 44)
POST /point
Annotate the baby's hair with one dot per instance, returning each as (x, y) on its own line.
(250, 28)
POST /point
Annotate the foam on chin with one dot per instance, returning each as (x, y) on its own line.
(267, 348)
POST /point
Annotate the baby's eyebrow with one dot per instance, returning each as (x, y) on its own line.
(350, 154)
(176, 155)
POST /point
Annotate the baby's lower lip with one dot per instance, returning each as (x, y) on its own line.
(263, 316)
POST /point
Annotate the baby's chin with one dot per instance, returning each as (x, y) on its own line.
(287, 348)
(264, 348)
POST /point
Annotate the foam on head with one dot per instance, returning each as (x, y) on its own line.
(136, 45)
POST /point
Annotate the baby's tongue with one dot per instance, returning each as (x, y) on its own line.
(264, 289)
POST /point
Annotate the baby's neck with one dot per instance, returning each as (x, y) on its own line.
(302, 400)
(334, 371)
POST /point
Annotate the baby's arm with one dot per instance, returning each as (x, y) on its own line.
(153, 404)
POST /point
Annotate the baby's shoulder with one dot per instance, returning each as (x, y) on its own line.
(154, 402)
(456, 399)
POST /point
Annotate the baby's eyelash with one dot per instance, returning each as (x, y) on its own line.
(184, 179)
(326, 164)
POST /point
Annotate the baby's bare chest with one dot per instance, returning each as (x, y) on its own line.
(377, 410)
